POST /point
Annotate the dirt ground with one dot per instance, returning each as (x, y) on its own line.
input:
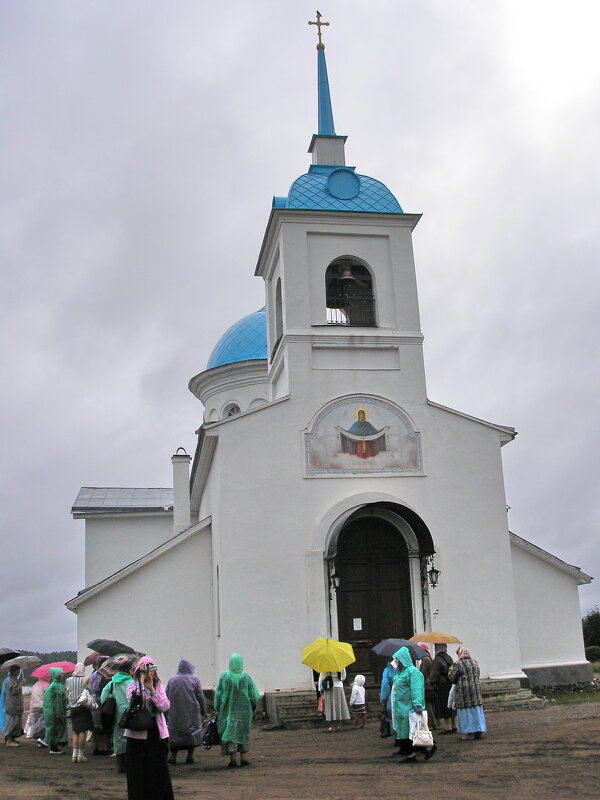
(548, 753)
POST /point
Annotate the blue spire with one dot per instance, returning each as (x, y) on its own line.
(326, 126)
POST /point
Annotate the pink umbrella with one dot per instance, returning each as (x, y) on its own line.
(44, 670)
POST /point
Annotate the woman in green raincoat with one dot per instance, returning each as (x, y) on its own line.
(408, 696)
(54, 706)
(236, 697)
(117, 686)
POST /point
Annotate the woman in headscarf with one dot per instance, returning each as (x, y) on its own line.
(385, 693)
(188, 706)
(235, 699)
(117, 687)
(54, 706)
(81, 717)
(441, 688)
(34, 727)
(408, 698)
(96, 683)
(13, 706)
(469, 704)
(147, 769)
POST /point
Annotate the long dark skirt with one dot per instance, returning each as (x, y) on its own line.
(81, 719)
(440, 699)
(147, 769)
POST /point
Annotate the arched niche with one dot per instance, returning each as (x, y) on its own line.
(349, 293)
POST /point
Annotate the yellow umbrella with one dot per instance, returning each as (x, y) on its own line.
(434, 637)
(327, 655)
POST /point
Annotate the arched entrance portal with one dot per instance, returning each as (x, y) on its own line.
(375, 597)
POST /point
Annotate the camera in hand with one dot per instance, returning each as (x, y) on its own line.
(148, 668)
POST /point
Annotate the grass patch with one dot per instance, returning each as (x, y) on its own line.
(571, 697)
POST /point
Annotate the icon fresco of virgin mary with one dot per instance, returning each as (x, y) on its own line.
(362, 439)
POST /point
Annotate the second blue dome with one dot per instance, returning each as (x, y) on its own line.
(246, 340)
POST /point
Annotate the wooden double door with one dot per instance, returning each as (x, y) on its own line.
(374, 595)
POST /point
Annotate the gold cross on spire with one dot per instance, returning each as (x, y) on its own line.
(318, 23)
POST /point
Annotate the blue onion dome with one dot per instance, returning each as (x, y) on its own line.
(332, 188)
(246, 340)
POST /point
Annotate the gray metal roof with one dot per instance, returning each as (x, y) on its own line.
(103, 499)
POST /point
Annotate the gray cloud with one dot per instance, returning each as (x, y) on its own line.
(142, 145)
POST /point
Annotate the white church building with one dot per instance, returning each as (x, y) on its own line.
(328, 496)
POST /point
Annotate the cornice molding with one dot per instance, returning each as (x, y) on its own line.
(544, 555)
(506, 434)
(98, 588)
(228, 377)
(330, 220)
(343, 340)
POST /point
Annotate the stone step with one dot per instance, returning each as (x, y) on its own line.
(502, 697)
(488, 685)
(516, 705)
(298, 708)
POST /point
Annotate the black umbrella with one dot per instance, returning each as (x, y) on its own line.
(109, 647)
(387, 648)
(6, 653)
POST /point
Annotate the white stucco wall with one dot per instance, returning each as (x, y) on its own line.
(111, 542)
(261, 583)
(269, 542)
(269, 536)
(164, 609)
(549, 615)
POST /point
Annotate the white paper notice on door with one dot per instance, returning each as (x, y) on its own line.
(357, 623)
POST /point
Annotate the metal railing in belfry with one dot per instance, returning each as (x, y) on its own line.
(352, 310)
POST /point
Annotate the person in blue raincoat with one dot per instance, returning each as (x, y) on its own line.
(408, 697)
(385, 694)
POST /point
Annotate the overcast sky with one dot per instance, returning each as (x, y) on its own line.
(142, 142)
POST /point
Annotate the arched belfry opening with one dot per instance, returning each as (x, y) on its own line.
(379, 589)
(349, 293)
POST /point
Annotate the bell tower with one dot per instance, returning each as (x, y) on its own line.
(338, 265)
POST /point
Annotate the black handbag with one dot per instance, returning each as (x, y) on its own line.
(136, 716)
(327, 683)
(210, 735)
(108, 710)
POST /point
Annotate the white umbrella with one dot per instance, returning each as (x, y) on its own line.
(25, 662)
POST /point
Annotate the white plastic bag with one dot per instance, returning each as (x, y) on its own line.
(452, 697)
(419, 733)
(86, 700)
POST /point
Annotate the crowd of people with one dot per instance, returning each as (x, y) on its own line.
(132, 717)
(444, 694)
(416, 694)
(143, 725)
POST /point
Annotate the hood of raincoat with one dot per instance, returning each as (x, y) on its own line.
(359, 680)
(121, 677)
(185, 668)
(236, 668)
(141, 663)
(55, 673)
(403, 657)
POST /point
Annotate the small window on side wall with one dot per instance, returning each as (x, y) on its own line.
(349, 294)
(231, 410)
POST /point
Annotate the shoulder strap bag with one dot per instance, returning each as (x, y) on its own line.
(136, 717)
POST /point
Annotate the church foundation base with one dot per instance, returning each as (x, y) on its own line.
(298, 709)
(558, 675)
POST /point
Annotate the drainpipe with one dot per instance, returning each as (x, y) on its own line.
(181, 490)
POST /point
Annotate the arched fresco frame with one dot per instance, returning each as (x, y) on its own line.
(341, 441)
